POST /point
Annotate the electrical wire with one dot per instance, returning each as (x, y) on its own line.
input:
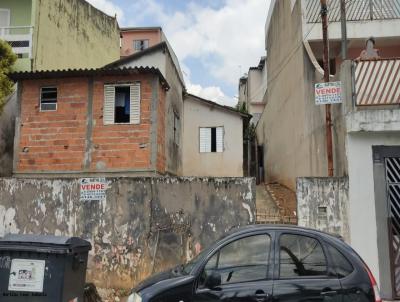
(296, 48)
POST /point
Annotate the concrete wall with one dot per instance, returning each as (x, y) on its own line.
(228, 163)
(144, 225)
(73, 34)
(174, 106)
(7, 130)
(330, 193)
(292, 127)
(74, 139)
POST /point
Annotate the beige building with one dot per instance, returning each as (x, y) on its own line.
(212, 139)
(253, 90)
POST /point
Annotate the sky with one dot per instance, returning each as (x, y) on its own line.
(216, 41)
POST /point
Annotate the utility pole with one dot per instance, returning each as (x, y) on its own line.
(344, 28)
(328, 118)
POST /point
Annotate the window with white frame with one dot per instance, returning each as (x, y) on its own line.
(121, 104)
(211, 139)
(48, 99)
(140, 44)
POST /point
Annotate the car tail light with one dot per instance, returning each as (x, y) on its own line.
(374, 285)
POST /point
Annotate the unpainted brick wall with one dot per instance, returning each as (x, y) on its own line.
(56, 140)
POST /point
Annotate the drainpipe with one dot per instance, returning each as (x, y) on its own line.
(328, 118)
(344, 29)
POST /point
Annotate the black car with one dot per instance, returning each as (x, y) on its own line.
(267, 263)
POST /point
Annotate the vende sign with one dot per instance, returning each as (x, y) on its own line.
(328, 93)
(93, 189)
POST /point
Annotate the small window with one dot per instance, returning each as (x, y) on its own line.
(121, 104)
(211, 139)
(140, 44)
(243, 260)
(340, 264)
(48, 99)
(301, 256)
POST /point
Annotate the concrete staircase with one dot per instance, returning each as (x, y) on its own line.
(275, 204)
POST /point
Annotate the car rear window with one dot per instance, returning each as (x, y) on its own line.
(301, 256)
(340, 264)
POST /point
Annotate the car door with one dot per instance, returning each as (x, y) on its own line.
(244, 271)
(302, 272)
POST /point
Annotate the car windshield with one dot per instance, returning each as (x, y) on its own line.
(187, 268)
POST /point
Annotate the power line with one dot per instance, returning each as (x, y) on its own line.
(296, 48)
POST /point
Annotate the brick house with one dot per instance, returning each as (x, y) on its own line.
(91, 121)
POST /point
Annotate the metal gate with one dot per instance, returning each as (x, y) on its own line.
(392, 169)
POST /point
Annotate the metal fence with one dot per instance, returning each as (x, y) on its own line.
(356, 10)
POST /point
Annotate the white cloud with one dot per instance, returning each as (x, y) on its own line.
(212, 93)
(222, 39)
(109, 8)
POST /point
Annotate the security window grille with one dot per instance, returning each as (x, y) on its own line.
(212, 139)
(48, 99)
(121, 104)
(140, 44)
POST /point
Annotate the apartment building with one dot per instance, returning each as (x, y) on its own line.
(48, 35)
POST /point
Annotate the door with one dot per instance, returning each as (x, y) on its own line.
(392, 169)
(242, 267)
(302, 273)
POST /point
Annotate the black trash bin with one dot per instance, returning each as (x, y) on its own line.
(42, 268)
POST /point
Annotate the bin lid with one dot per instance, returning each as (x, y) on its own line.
(44, 244)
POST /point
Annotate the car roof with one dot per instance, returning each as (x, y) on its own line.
(238, 230)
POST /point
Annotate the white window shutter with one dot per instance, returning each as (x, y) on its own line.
(220, 139)
(135, 103)
(109, 105)
(205, 140)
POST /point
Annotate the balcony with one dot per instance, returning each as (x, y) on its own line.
(377, 82)
(372, 95)
(20, 39)
(356, 10)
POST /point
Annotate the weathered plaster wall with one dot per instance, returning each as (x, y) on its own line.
(174, 106)
(73, 34)
(143, 226)
(332, 193)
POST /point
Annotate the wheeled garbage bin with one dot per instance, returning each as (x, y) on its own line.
(42, 268)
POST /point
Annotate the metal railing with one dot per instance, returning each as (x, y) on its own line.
(377, 82)
(356, 10)
(19, 37)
